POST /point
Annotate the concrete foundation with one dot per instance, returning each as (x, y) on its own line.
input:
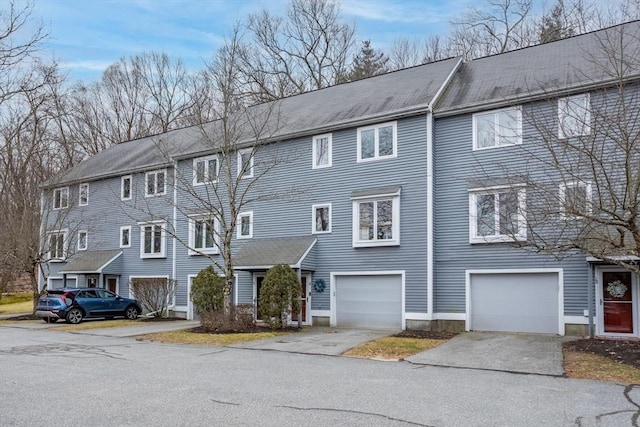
(436, 325)
(320, 321)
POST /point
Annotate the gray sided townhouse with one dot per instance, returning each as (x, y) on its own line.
(374, 200)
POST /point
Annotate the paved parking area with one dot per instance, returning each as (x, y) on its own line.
(125, 382)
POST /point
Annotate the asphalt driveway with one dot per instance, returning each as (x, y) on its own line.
(522, 353)
(317, 340)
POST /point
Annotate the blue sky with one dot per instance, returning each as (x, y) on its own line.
(88, 35)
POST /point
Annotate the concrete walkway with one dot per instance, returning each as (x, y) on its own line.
(524, 353)
(317, 340)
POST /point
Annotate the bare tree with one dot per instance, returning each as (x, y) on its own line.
(497, 29)
(17, 45)
(308, 49)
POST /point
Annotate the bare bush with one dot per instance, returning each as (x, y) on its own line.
(154, 294)
(239, 319)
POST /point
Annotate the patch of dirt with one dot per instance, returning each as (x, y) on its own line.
(431, 335)
(159, 319)
(24, 317)
(626, 352)
(254, 329)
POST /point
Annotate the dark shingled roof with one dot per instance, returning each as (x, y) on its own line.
(269, 252)
(394, 94)
(90, 261)
(571, 64)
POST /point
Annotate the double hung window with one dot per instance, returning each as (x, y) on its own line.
(497, 214)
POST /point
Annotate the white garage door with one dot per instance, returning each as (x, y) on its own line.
(369, 301)
(515, 302)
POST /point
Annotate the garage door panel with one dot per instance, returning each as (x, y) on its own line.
(518, 302)
(369, 301)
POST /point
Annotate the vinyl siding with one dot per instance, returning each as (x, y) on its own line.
(457, 169)
(293, 187)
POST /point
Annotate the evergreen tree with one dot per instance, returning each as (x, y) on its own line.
(367, 63)
(554, 27)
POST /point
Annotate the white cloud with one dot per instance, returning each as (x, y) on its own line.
(396, 11)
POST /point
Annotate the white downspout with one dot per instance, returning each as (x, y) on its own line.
(430, 216)
(175, 229)
(430, 186)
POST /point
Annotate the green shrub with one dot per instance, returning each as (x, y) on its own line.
(207, 291)
(279, 295)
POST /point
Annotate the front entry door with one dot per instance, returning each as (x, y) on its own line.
(304, 291)
(112, 284)
(617, 302)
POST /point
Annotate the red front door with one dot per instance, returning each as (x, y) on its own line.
(112, 284)
(303, 303)
(617, 302)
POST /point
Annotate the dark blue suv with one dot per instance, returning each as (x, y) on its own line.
(74, 304)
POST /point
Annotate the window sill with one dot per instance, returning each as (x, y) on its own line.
(374, 159)
(496, 147)
(496, 239)
(375, 243)
(159, 256)
(204, 252)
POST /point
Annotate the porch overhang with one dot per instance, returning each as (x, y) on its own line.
(262, 254)
(90, 262)
(630, 259)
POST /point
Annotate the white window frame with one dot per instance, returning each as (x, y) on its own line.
(313, 218)
(215, 249)
(157, 191)
(239, 234)
(395, 220)
(83, 194)
(376, 128)
(163, 240)
(521, 235)
(584, 122)
(562, 194)
(314, 150)
(122, 180)
(62, 256)
(249, 171)
(496, 124)
(86, 240)
(58, 198)
(122, 230)
(206, 161)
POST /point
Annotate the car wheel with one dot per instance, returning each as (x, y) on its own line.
(74, 316)
(49, 319)
(131, 312)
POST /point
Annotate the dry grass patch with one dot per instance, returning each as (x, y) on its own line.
(593, 367)
(17, 307)
(191, 337)
(96, 324)
(393, 348)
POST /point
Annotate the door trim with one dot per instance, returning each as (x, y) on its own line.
(307, 314)
(600, 303)
(558, 271)
(332, 290)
